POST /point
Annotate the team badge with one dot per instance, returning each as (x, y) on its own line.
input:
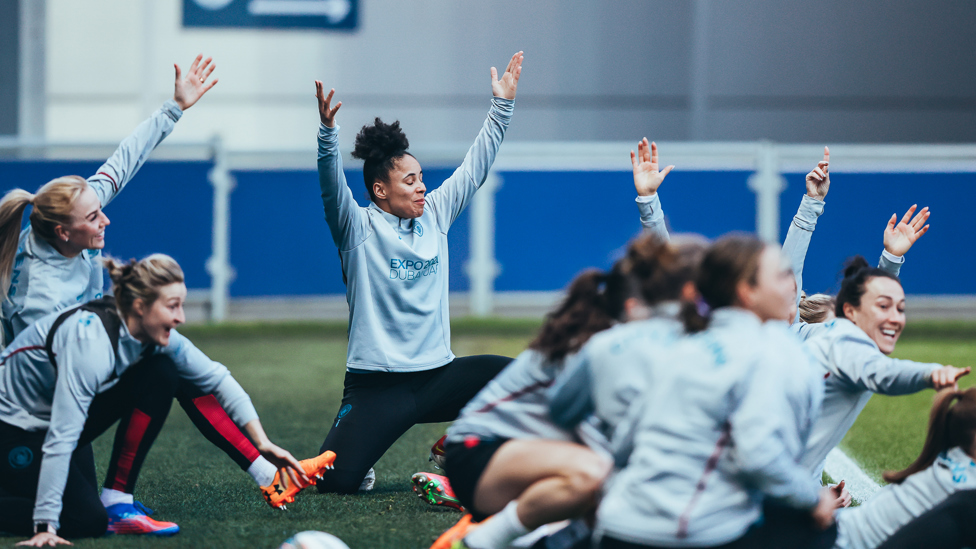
(20, 457)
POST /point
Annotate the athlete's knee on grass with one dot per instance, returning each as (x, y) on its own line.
(340, 482)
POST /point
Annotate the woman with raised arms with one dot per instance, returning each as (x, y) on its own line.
(55, 262)
(852, 351)
(400, 369)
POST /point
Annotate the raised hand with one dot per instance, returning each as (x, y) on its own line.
(818, 180)
(326, 111)
(647, 178)
(44, 539)
(505, 88)
(947, 377)
(189, 90)
(899, 238)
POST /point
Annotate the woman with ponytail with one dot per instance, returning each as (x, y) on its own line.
(722, 421)
(400, 369)
(611, 371)
(505, 455)
(945, 466)
(852, 351)
(54, 262)
(74, 374)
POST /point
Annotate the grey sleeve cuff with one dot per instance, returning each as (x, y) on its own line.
(891, 263)
(806, 216)
(172, 110)
(502, 109)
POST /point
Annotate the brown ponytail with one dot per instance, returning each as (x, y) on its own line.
(949, 426)
(583, 312)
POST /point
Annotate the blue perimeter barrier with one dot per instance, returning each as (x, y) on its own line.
(549, 225)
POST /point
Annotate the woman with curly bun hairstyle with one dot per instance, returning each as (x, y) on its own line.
(400, 369)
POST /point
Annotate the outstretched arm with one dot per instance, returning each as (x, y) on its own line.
(133, 152)
(288, 466)
(647, 180)
(449, 200)
(901, 236)
(798, 236)
(345, 218)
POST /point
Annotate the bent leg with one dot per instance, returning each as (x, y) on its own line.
(376, 410)
(215, 425)
(82, 513)
(551, 480)
(141, 400)
(451, 386)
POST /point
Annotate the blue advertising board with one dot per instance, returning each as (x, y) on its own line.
(270, 14)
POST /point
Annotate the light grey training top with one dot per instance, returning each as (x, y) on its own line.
(43, 280)
(853, 369)
(35, 397)
(396, 270)
(613, 371)
(721, 426)
(874, 521)
(514, 404)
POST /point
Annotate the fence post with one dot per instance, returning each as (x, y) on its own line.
(481, 267)
(767, 183)
(218, 265)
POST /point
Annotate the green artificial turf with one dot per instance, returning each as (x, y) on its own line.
(294, 371)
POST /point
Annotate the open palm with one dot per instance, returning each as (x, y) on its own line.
(899, 238)
(647, 176)
(508, 84)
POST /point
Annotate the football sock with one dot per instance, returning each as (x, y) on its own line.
(498, 531)
(262, 471)
(111, 497)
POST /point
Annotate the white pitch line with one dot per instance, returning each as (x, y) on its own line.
(840, 467)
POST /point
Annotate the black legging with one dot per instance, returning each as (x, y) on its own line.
(140, 401)
(377, 408)
(949, 525)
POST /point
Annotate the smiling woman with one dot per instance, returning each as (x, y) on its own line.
(853, 350)
(76, 373)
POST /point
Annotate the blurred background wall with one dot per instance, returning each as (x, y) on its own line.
(597, 74)
(826, 71)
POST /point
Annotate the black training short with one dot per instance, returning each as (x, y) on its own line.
(465, 463)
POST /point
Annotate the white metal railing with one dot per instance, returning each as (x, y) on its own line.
(218, 264)
(767, 160)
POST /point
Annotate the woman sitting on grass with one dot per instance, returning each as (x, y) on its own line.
(73, 374)
(945, 466)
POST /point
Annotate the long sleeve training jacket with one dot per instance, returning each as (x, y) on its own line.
(854, 369)
(43, 280)
(721, 426)
(396, 270)
(36, 397)
(874, 521)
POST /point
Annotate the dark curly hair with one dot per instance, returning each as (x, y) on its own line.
(379, 147)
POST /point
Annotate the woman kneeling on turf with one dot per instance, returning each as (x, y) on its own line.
(70, 376)
(400, 369)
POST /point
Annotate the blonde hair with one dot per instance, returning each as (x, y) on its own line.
(141, 279)
(815, 308)
(52, 207)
